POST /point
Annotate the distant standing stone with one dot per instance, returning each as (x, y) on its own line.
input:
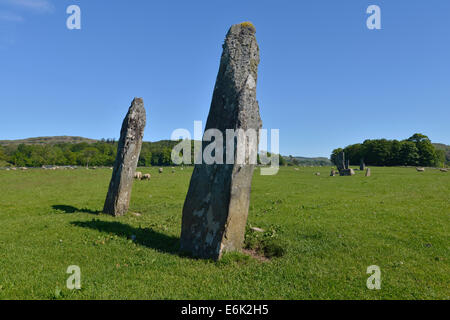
(362, 165)
(368, 172)
(216, 207)
(130, 143)
(341, 161)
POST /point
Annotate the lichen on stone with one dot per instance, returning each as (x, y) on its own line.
(248, 24)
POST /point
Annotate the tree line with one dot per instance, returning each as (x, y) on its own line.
(415, 151)
(101, 153)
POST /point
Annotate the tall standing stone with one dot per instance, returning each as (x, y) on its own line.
(216, 208)
(130, 143)
(341, 161)
(368, 172)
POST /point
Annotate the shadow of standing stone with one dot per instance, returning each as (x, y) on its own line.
(216, 207)
(130, 143)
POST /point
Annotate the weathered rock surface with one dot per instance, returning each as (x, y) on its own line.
(130, 143)
(216, 207)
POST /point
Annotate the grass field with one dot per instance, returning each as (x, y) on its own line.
(332, 229)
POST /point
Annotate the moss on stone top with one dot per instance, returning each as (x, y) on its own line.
(248, 24)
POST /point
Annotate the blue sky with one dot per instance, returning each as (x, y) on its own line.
(325, 80)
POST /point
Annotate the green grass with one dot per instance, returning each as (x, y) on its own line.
(332, 229)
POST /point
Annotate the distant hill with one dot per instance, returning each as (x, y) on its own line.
(446, 148)
(47, 140)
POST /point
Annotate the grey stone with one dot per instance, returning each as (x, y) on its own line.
(362, 165)
(368, 172)
(130, 143)
(216, 208)
(347, 172)
(341, 165)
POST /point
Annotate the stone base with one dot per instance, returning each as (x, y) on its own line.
(347, 172)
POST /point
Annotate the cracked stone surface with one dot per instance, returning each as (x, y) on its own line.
(216, 207)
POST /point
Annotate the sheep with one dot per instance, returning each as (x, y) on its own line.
(160, 170)
(138, 175)
(147, 176)
(420, 169)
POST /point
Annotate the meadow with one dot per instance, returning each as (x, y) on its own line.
(331, 230)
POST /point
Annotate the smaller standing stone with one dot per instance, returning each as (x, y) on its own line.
(119, 193)
(368, 172)
(341, 161)
(333, 173)
(362, 166)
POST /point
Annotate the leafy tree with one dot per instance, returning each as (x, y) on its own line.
(282, 161)
(335, 154)
(354, 153)
(89, 153)
(409, 154)
(417, 150)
